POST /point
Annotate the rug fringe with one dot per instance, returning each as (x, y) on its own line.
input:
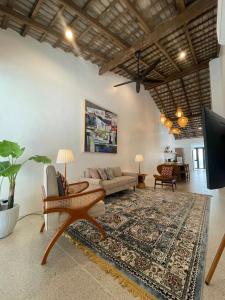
(124, 281)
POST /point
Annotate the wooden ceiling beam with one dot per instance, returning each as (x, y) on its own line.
(32, 14)
(190, 13)
(178, 75)
(85, 16)
(31, 23)
(181, 7)
(5, 19)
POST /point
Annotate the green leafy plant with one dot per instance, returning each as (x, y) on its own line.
(10, 167)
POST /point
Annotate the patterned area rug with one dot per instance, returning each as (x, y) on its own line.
(156, 238)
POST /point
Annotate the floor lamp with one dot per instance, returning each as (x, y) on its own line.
(65, 156)
(139, 158)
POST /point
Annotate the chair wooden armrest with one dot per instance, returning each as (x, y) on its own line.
(78, 187)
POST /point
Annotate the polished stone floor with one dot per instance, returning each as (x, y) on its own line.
(69, 274)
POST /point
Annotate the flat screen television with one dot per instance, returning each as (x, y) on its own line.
(214, 140)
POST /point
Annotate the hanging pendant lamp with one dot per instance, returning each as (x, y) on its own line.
(182, 121)
(179, 112)
(168, 123)
(163, 118)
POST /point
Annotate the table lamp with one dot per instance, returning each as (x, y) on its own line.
(65, 156)
(139, 158)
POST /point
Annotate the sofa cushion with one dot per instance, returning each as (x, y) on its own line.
(109, 173)
(93, 173)
(117, 171)
(102, 173)
(118, 181)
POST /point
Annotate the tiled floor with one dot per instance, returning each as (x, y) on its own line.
(69, 274)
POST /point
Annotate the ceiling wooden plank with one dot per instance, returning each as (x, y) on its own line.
(171, 97)
(84, 15)
(164, 52)
(33, 13)
(53, 21)
(160, 100)
(134, 11)
(23, 20)
(178, 75)
(191, 12)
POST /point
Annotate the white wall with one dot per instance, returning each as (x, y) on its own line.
(41, 95)
(189, 145)
(217, 79)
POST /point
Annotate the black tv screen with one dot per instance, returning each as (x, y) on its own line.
(214, 140)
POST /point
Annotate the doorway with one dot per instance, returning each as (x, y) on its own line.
(198, 155)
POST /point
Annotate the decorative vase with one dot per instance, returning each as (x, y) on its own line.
(8, 219)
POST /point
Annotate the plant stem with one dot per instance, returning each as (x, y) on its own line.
(12, 184)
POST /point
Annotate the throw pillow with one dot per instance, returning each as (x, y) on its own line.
(109, 173)
(102, 173)
(64, 183)
(117, 172)
(60, 185)
(94, 173)
(167, 171)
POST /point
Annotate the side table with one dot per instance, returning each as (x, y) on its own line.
(141, 181)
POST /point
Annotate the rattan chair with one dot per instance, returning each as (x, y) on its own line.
(166, 181)
(62, 211)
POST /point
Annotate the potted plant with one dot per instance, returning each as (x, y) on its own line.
(10, 152)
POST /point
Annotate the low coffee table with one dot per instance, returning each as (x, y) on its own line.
(141, 181)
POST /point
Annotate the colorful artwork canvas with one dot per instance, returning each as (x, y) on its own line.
(100, 129)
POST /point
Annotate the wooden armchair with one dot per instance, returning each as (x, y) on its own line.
(167, 176)
(69, 208)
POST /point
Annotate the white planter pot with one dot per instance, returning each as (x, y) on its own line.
(8, 219)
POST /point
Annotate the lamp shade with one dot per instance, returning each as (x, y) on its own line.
(182, 121)
(168, 124)
(175, 131)
(139, 158)
(64, 156)
(179, 112)
(162, 118)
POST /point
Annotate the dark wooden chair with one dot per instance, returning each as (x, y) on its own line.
(164, 180)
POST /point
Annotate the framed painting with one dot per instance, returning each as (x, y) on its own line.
(100, 129)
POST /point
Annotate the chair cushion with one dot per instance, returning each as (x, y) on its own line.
(64, 183)
(118, 181)
(102, 174)
(93, 173)
(109, 173)
(167, 171)
(60, 185)
(117, 172)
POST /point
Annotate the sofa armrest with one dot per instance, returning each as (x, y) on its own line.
(130, 174)
(92, 181)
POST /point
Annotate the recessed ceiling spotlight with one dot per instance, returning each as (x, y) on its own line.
(69, 34)
(182, 55)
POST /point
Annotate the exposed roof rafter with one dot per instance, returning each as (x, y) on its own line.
(162, 30)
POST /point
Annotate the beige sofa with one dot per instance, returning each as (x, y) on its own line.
(116, 184)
